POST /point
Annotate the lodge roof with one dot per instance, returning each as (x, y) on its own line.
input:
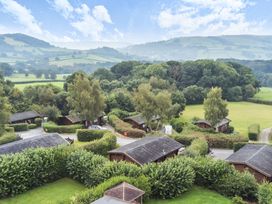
(24, 116)
(45, 140)
(219, 124)
(139, 119)
(256, 156)
(148, 149)
(73, 118)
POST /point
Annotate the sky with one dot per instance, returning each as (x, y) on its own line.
(86, 24)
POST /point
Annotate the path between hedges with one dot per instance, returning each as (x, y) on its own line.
(264, 135)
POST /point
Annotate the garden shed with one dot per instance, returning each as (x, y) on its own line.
(45, 140)
(146, 150)
(69, 120)
(24, 117)
(256, 158)
(122, 193)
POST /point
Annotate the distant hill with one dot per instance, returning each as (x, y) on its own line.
(247, 47)
(20, 48)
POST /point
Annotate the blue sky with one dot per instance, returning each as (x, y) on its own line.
(90, 23)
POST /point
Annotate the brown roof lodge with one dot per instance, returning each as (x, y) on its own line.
(256, 158)
(221, 126)
(146, 150)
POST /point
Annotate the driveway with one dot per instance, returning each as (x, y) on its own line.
(221, 153)
(31, 133)
(264, 135)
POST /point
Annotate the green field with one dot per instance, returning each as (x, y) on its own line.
(242, 114)
(30, 77)
(265, 94)
(51, 193)
(197, 195)
(22, 86)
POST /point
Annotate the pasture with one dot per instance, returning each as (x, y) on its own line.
(265, 94)
(31, 77)
(22, 86)
(242, 115)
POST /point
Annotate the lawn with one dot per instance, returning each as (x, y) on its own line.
(30, 77)
(51, 193)
(265, 94)
(22, 86)
(242, 114)
(197, 195)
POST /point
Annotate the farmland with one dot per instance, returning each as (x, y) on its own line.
(265, 94)
(242, 114)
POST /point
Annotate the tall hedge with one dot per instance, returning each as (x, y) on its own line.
(199, 147)
(253, 132)
(19, 127)
(53, 127)
(84, 135)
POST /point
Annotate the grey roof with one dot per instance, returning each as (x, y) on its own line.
(45, 140)
(256, 156)
(139, 119)
(73, 118)
(203, 121)
(222, 122)
(148, 149)
(109, 200)
(24, 116)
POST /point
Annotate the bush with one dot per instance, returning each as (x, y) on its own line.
(103, 145)
(199, 147)
(238, 184)
(177, 124)
(253, 132)
(97, 192)
(52, 127)
(9, 129)
(184, 139)
(84, 135)
(19, 127)
(238, 200)
(209, 171)
(125, 128)
(32, 126)
(238, 145)
(38, 121)
(8, 137)
(31, 168)
(119, 113)
(170, 178)
(265, 193)
(230, 130)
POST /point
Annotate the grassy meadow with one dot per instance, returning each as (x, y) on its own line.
(264, 94)
(242, 115)
(31, 77)
(52, 193)
(22, 86)
(197, 195)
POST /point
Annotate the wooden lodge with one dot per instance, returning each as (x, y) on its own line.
(24, 117)
(138, 121)
(221, 126)
(69, 120)
(256, 158)
(146, 150)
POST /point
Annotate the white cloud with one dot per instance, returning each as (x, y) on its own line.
(209, 17)
(22, 15)
(64, 7)
(101, 14)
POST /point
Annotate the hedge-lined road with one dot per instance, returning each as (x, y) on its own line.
(264, 135)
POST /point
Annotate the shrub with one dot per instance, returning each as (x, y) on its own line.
(125, 128)
(93, 194)
(119, 113)
(238, 145)
(9, 129)
(209, 171)
(253, 132)
(224, 141)
(52, 127)
(81, 165)
(177, 124)
(31, 168)
(8, 137)
(238, 184)
(170, 178)
(32, 126)
(38, 121)
(103, 145)
(199, 147)
(84, 135)
(238, 200)
(184, 139)
(265, 193)
(19, 127)
(229, 130)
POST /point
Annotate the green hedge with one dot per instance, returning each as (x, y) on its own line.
(259, 101)
(97, 192)
(84, 135)
(125, 128)
(253, 132)
(32, 126)
(238, 146)
(29, 169)
(8, 137)
(199, 147)
(9, 129)
(53, 127)
(19, 127)
(177, 124)
(265, 193)
(38, 121)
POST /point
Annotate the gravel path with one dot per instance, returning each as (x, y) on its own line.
(264, 135)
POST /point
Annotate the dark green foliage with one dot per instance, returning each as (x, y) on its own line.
(32, 126)
(32, 168)
(230, 130)
(19, 127)
(38, 122)
(52, 127)
(103, 145)
(194, 94)
(120, 99)
(97, 192)
(184, 139)
(8, 137)
(177, 124)
(170, 178)
(238, 184)
(84, 135)
(260, 101)
(199, 147)
(238, 145)
(119, 113)
(265, 193)
(9, 129)
(253, 132)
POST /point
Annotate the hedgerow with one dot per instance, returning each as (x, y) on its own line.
(8, 137)
(265, 193)
(199, 147)
(53, 127)
(253, 132)
(85, 135)
(19, 127)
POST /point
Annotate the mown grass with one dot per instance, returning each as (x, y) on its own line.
(264, 94)
(197, 195)
(30, 77)
(51, 193)
(242, 115)
(22, 86)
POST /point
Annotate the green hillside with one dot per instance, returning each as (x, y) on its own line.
(213, 47)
